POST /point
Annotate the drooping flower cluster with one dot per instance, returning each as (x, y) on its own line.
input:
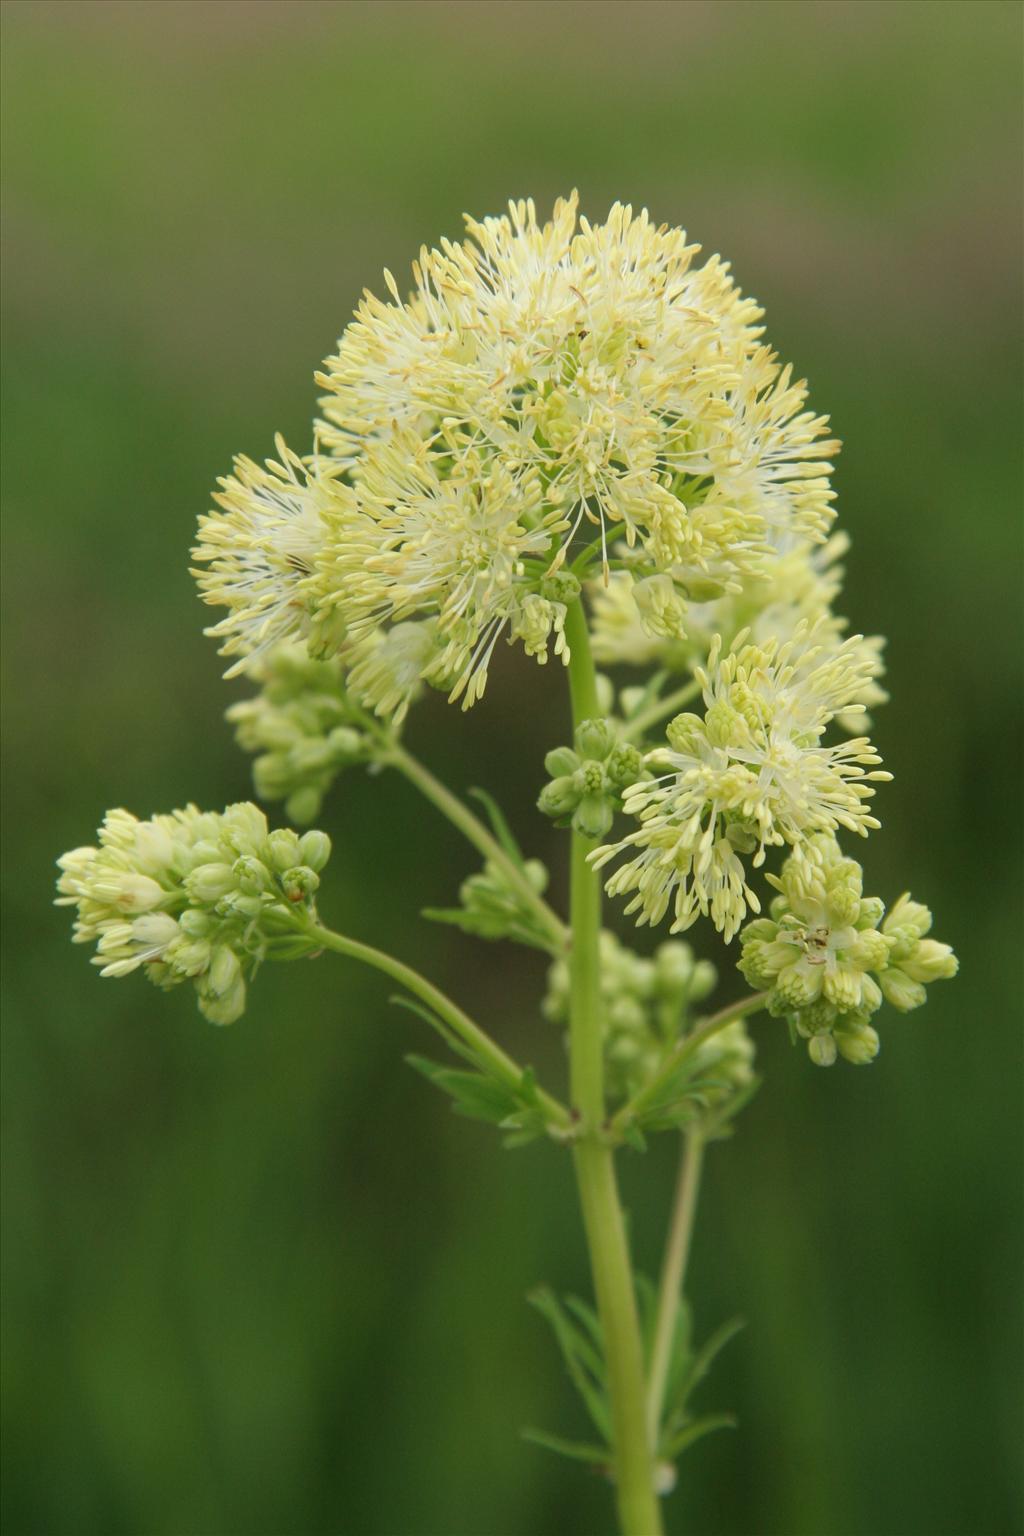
(828, 959)
(542, 384)
(303, 729)
(193, 895)
(645, 1004)
(752, 773)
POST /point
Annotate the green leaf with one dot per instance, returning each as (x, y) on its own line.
(696, 1431)
(633, 1136)
(702, 1360)
(499, 826)
(457, 1046)
(578, 1354)
(719, 1127)
(577, 1450)
(479, 1097)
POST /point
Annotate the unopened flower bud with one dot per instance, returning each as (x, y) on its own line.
(284, 848)
(594, 739)
(625, 765)
(315, 849)
(558, 797)
(300, 882)
(561, 762)
(593, 816)
(210, 882)
(822, 1050)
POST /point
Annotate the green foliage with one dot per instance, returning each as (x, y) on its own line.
(482, 1096)
(577, 1332)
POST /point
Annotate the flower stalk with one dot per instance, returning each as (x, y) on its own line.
(603, 1220)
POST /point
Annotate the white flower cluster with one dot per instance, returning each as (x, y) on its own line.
(753, 772)
(541, 380)
(201, 896)
(798, 584)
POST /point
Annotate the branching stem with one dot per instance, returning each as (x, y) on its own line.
(472, 828)
(686, 1048)
(484, 1048)
(671, 704)
(673, 1271)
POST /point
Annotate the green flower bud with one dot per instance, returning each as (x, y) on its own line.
(724, 726)
(674, 963)
(594, 739)
(224, 971)
(251, 875)
(561, 762)
(858, 1045)
(222, 1008)
(195, 924)
(684, 732)
(899, 990)
(562, 587)
(300, 883)
(210, 882)
(593, 816)
(797, 985)
(704, 982)
(872, 910)
(315, 849)
(590, 778)
(302, 807)
(284, 848)
(822, 1050)
(625, 765)
(559, 797)
(930, 961)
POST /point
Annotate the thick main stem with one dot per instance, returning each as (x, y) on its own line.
(673, 1270)
(603, 1220)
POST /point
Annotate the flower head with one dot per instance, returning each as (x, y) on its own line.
(542, 381)
(192, 895)
(598, 362)
(259, 554)
(827, 959)
(752, 773)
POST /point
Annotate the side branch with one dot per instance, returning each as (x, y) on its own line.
(487, 1051)
(476, 833)
(683, 1051)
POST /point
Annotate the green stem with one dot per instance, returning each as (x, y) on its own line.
(603, 1219)
(671, 704)
(472, 828)
(487, 1051)
(673, 1270)
(683, 1051)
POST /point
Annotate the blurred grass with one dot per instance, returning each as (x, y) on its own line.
(260, 1280)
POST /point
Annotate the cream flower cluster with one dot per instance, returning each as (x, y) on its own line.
(752, 773)
(546, 387)
(193, 895)
(797, 585)
(827, 958)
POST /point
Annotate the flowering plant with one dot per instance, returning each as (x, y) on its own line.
(573, 437)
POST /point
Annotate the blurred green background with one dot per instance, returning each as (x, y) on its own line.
(260, 1280)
